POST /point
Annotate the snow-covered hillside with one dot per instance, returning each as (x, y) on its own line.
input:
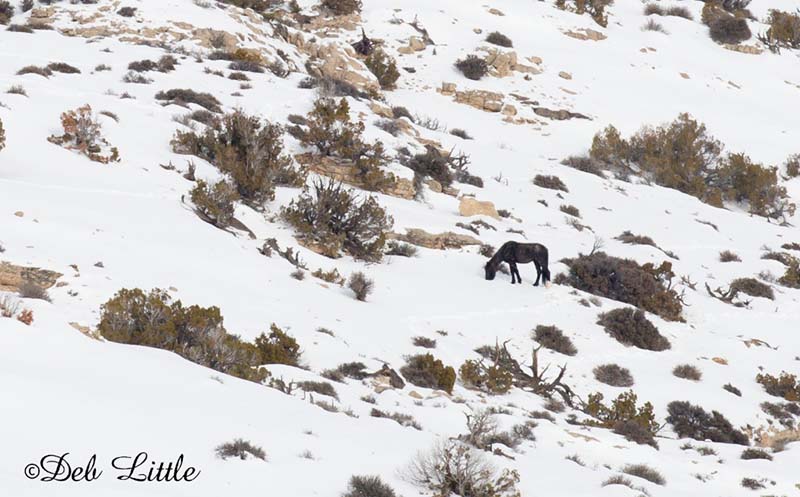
(130, 224)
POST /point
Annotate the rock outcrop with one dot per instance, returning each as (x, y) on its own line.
(12, 276)
(472, 207)
(440, 241)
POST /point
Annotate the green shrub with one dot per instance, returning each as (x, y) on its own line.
(792, 166)
(215, 203)
(342, 7)
(613, 375)
(745, 182)
(249, 151)
(595, 8)
(368, 486)
(624, 280)
(331, 132)
(195, 333)
(493, 379)
(784, 29)
(631, 327)
(694, 422)
(333, 220)
(785, 386)
(383, 66)
(623, 408)
(277, 348)
(498, 38)
(472, 67)
(426, 371)
(552, 338)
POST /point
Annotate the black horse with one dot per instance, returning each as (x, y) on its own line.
(522, 253)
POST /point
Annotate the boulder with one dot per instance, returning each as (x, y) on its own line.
(472, 207)
(586, 34)
(346, 172)
(440, 241)
(415, 44)
(12, 276)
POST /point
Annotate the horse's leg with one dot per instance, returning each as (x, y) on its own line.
(513, 267)
(519, 277)
(538, 272)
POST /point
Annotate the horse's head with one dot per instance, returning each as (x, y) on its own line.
(491, 270)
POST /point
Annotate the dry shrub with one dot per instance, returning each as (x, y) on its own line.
(687, 372)
(594, 8)
(646, 472)
(240, 448)
(335, 221)
(644, 286)
(31, 290)
(82, 133)
(368, 486)
(749, 454)
(188, 96)
(452, 467)
(631, 327)
(728, 256)
(550, 182)
(277, 348)
(613, 375)
(554, 339)
(752, 287)
(360, 285)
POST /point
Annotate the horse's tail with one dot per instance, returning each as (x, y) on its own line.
(545, 268)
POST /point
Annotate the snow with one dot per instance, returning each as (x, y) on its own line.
(61, 391)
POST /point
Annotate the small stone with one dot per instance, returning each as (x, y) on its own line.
(19, 214)
(564, 75)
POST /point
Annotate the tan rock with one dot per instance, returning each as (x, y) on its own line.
(341, 63)
(685, 76)
(509, 110)
(12, 276)
(720, 360)
(496, 12)
(586, 34)
(745, 49)
(440, 241)
(19, 214)
(472, 207)
(434, 185)
(381, 110)
(564, 75)
(558, 114)
(415, 44)
(481, 99)
(448, 89)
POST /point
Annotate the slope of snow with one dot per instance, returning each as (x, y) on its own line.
(62, 392)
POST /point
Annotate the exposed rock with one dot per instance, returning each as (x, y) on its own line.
(340, 63)
(415, 44)
(509, 110)
(12, 276)
(586, 34)
(504, 63)
(472, 207)
(448, 89)
(564, 75)
(381, 110)
(558, 115)
(434, 185)
(19, 214)
(346, 172)
(212, 38)
(685, 76)
(441, 241)
(496, 12)
(745, 49)
(480, 99)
